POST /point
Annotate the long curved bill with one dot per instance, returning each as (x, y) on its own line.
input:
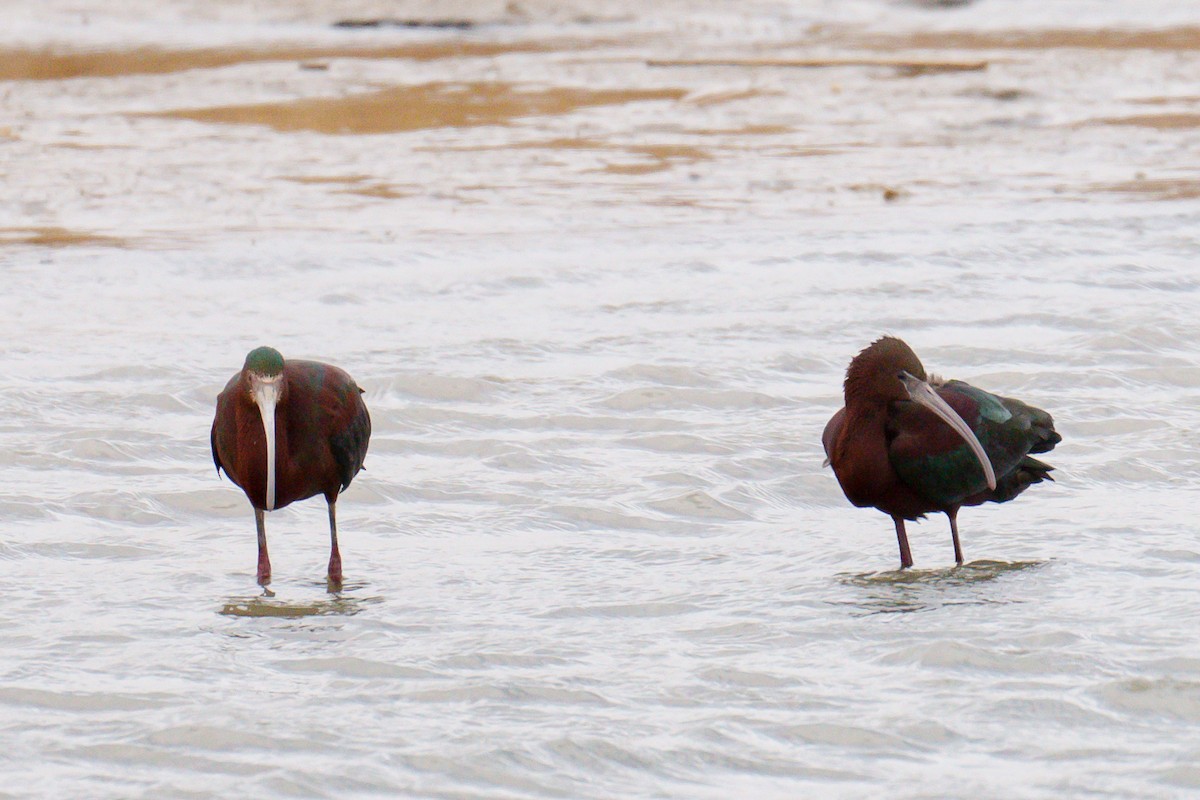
(266, 395)
(921, 392)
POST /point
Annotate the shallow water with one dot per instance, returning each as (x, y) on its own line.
(601, 321)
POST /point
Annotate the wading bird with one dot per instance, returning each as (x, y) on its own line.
(286, 431)
(910, 446)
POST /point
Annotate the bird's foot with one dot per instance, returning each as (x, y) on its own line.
(264, 567)
(335, 575)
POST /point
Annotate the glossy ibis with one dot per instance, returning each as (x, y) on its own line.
(286, 431)
(911, 445)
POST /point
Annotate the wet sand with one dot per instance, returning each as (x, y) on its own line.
(58, 64)
(839, 98)
(412, 108)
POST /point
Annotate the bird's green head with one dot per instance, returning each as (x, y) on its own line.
(265, 362)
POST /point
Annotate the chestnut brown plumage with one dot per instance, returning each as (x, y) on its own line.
(286, 431)
(909, 445)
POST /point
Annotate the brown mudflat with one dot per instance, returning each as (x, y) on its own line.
(1179, 38)
(43, 64)
(57, 237)
(411, 108)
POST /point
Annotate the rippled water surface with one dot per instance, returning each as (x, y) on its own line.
(601, 299)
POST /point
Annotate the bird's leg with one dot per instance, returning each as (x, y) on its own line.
(953, 515)
(902, 538)
(335, 557)
(264, 561)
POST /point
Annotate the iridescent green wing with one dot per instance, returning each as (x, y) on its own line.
(935, 462)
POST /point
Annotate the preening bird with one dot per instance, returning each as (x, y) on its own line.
(910, 445)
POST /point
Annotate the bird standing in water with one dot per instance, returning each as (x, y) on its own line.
(286, 431)
(909, 445)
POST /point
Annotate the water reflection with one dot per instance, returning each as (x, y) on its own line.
(912, 590)
(971, 572)
(335, 603)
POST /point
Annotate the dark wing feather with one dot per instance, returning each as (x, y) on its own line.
(350, 444)
(1027, 473)
(830, 434)
(936, 463)
(223, 419)
(212, 442)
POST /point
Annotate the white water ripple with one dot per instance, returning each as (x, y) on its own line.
(594, 553)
